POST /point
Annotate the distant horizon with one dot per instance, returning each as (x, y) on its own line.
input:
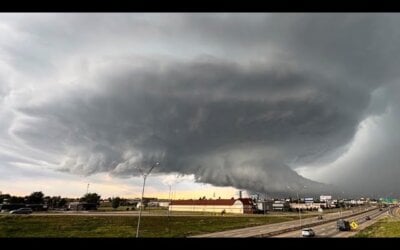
(245, 195)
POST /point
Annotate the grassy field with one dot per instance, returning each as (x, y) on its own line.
(384, 228)
(119, 226)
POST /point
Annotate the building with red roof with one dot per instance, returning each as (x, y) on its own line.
(237, 206)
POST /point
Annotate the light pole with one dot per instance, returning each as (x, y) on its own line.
(169, 197)
(340, 205)
(298, 203)
(141, 200)
(264, 203)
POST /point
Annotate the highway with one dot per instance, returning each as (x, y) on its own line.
(330, 230)
(322, 228)
(273, 229)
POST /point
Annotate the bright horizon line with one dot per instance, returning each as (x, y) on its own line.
(160, 195)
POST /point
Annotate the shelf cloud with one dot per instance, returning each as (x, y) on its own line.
(242, 100)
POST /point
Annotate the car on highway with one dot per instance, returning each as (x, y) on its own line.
(367, 218)
(320, 217)
(24, 210)
(307, 232)
(343, 225)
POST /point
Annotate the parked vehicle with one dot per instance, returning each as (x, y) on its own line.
(23, 210)
(367, 218)
(307, 232)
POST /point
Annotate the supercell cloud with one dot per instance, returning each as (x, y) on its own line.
(243, 100)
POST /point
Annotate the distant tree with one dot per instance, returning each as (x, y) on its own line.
(35, 198)
(4, 196)
(62, 203)
(115, 202)
(47, 200)
(91, 198)
(16, 199)
(55, 201)
(123, 202)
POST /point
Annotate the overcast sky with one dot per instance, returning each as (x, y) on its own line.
(267, 103)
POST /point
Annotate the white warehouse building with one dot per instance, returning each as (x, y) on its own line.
(238, 206)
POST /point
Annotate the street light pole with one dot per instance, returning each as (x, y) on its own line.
(340, 205)
(298, 203)
(141, 200)
(169, 197)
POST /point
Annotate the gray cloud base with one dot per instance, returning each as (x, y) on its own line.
(225, 123)
(280, 92)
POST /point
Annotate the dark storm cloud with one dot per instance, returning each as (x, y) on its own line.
(209, 117)
(280, 91)
(371, 167)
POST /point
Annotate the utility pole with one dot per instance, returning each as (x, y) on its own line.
(340, 205)
(169, 207)
(265, 202)
(141, 200)
(298, 203)
(87, 188)
(169, 197)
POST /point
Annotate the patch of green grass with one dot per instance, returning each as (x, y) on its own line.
(124, 208)
(124, 226)
(109, 208)
(383, 228)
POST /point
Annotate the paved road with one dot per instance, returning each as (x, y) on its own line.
(264, 230)
(330, 230)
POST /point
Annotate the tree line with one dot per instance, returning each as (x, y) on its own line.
(54, 202)
(51, 201)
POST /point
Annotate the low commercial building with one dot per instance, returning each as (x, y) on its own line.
(264, 206)
(308, 206)
(164, 204)
(325, 198)
(238, 206)
(153, 204)
(79, 206)
(280, 205)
